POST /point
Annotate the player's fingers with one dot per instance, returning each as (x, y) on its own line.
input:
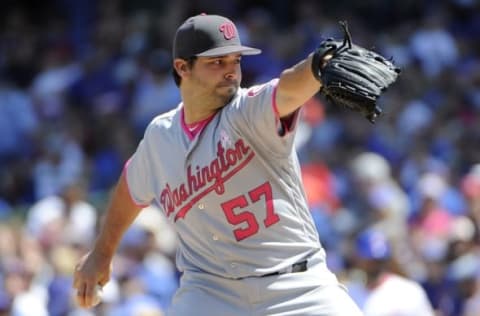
(89, 294)
(102, 282)
(80, 295)
(104, 278)
(77, 280)
(86, 295)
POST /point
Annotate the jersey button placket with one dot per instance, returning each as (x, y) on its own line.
(202, 206)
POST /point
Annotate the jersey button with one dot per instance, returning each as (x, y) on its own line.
(201, 206)
(233, 265)
(215, 237)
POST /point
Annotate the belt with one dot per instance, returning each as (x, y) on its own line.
(296, 267)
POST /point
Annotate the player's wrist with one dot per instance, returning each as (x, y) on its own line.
(103, 250)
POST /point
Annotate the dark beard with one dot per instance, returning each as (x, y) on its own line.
(228, 98)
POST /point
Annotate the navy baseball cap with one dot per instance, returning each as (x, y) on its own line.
(208, 35)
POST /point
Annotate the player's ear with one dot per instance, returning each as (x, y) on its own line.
(180, 66)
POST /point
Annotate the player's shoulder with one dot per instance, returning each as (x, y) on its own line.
(161, 123)
(253, 95)
(260, 88)
(163, 120)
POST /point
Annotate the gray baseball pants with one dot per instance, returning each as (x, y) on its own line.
(314, 292)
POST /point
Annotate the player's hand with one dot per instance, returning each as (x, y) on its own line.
(92, 270)
(351, 76)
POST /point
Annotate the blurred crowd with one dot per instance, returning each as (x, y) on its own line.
(80, 80)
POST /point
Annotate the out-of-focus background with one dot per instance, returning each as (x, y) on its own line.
(80, 80)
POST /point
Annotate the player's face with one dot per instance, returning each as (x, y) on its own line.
(220, 76)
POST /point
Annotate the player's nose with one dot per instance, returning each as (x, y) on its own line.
(231, 71)
(231, 76)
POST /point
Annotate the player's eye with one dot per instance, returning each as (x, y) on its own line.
(217, 62)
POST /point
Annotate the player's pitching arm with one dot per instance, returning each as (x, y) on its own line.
(95, 267)
(296, 85)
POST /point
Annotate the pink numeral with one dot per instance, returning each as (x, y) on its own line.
(266, 190)
(248, 218)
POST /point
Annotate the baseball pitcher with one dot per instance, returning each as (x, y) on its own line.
(223, 169)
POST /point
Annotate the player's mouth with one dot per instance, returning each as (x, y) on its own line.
(228, 84)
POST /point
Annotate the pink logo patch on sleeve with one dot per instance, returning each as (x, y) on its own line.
(255, 90)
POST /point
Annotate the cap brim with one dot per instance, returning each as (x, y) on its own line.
(225, 50)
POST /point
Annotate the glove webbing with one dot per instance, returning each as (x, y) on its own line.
(319, 54)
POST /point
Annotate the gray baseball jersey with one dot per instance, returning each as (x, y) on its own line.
(233, 192)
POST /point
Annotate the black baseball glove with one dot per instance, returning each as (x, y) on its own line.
(354, 77)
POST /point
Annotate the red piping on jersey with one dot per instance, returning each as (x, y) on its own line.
(191, 133)
(124, 174)
(288, 122)
(274, 101)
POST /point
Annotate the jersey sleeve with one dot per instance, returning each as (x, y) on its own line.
(138, 172)
(256, 116)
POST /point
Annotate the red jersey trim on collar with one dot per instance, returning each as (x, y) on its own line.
(192, 130)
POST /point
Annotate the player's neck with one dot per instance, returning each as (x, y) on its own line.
(192, 115)
(197, 109)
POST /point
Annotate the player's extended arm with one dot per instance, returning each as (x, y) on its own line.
(94, 268)
(296, 85)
